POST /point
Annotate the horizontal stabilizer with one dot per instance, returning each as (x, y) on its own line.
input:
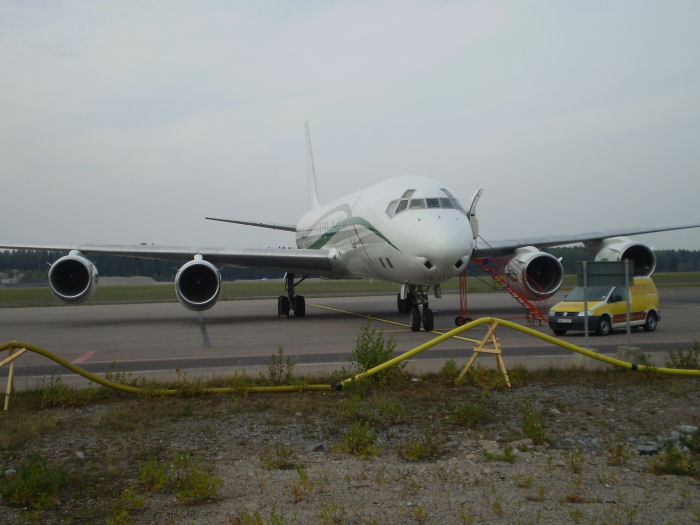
(283, 227)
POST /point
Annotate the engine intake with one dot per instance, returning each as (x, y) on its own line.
(198, 284)
(73, 278)
(621, 248)
(534, 273)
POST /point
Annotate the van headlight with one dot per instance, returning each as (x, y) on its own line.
(582, 313)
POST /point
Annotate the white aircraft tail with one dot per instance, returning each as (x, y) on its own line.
(311, 171)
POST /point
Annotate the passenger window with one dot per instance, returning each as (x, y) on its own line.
(417, 204)
(433, 203)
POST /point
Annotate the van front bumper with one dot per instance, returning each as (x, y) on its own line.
(574, 322)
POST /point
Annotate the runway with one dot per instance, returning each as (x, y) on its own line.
(164, 340)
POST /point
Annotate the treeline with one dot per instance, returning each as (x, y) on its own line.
(34, 264)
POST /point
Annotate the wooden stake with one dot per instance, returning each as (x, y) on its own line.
(481, 347)
(10, 359)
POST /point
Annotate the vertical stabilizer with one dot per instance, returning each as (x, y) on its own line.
(311, 171)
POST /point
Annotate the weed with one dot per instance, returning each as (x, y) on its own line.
(688, 358)
(330, 513)
(672, 461)
(468, 415)
(360, 440)
(194, 482)
(537, 496)
(280, 368)
(523, 482)
(371, 350)
(464, 516)
(419, 514)
(56, 394)
(256, 519)
(35, 485)
(532, 423)
(425, 448)
(280, 458)
(153, 477)
(617, 451)
(449, 371)
(302, 488)
(576, 516)
(507, 456)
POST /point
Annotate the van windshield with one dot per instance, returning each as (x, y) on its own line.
(593, 293)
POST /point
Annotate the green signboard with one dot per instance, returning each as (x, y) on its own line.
(602, 273)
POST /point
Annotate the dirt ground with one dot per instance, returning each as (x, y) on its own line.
(444, 454)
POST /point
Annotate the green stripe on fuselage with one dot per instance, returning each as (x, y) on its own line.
(352, 221)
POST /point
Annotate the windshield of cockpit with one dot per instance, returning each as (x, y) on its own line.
(408, 202)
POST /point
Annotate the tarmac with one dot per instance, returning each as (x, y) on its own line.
(166, 341)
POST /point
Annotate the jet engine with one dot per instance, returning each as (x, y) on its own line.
(198, 284)
(535, 274)
(73, 278)
(621, 248)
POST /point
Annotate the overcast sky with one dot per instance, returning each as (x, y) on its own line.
(127, 122)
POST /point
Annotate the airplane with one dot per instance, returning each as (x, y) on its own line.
(410, 230)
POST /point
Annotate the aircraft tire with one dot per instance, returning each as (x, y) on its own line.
(299, 306)
(403, 305)
(428, 320)
(283, 306)
(415, 319)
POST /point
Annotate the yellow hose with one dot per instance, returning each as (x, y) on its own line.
(324, 387)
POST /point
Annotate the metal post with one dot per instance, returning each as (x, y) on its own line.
(627, 288)
(585, 301)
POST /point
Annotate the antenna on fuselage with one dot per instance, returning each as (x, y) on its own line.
(311, 171)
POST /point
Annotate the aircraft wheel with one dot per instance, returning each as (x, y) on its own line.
(651, 322)
(403, 305)
(299, 306)
(415, 319)
(428, 320)
(283, 306)
(604, 327)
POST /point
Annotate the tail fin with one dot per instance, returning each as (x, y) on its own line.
(311, 172)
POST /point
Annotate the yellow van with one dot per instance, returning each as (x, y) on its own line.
(607, 308)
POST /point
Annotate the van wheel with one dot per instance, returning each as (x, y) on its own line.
(558, 331)
(651, 322)
(603, 326)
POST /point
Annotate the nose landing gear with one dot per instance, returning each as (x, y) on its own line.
(415, 302)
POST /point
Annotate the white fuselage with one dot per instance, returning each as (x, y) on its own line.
(406, 229)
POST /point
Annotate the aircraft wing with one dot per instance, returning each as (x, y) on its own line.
(500, 248)
(315, 262)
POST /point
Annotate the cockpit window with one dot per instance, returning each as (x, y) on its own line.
(406, 203)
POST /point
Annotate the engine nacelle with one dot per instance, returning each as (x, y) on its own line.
(198, 284)
(621, 248)
(536, 274)
(73, 278)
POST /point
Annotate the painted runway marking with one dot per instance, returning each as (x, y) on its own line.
(83, 357)
(396, 323)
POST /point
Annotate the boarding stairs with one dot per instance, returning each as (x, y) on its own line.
(534, 310)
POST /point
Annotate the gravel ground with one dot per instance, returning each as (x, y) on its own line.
(603, 434)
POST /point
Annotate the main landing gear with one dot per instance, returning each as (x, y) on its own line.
(415, 302)
(291, 301)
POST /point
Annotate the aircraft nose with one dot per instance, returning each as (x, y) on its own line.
(446, 248)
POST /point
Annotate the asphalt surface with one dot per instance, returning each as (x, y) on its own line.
(165, 340)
